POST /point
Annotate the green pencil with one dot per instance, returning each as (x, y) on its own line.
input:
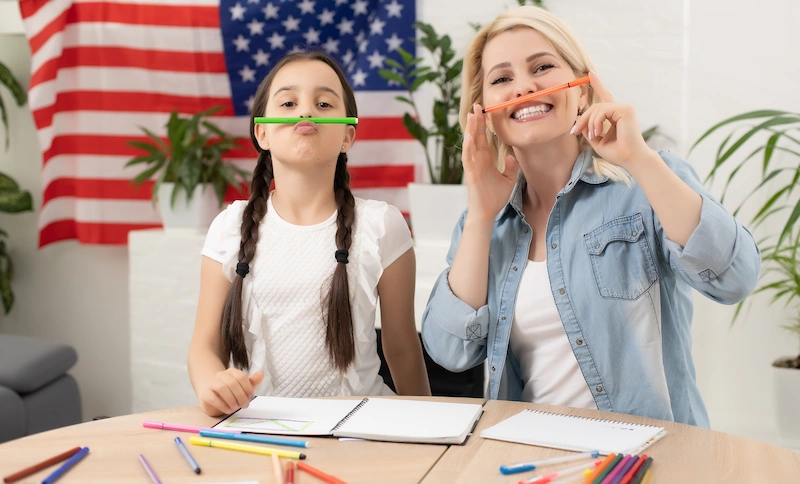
(313, 120)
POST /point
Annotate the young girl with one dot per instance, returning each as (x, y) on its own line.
(291, 278)
(571, 271)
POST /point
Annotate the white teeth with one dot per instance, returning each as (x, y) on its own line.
(531, 111)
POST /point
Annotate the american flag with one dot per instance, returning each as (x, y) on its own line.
(102, 69)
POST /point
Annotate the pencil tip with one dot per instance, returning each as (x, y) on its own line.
(302, 456)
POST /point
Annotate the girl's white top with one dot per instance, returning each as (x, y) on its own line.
(286, 290)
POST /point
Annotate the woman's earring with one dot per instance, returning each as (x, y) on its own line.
(580, 111)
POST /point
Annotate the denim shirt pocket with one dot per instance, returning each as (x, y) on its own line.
(621, 259)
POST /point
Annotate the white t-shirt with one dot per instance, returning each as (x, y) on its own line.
(549, 369)
(283, 295)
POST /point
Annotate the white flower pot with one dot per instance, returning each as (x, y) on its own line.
(787, 400)
(196, 215)
(435, 210)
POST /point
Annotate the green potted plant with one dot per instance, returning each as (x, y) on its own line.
(435, 207)
(770, 140)
(12, 198)
(190, 176)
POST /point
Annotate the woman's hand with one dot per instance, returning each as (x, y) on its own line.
(229, 391)
(488, 190)
(622, 144)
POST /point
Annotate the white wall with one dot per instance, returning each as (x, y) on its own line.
(683, 65)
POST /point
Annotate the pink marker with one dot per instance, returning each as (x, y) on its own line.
(183, 428)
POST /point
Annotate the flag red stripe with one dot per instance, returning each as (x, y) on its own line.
(142, 102)
(30, 7)
(158, 60)
(84, 144)
(55, 26)
(89, 233)
(146, 14)
(104, 189)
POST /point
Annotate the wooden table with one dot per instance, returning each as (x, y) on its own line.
(686, 455)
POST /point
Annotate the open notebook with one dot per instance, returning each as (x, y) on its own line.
(574, 433)
(387, 419)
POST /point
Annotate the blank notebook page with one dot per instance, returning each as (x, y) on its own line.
(574, 433)
(410, 420)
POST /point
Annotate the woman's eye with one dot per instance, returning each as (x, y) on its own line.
(501, 79)
(543, 67)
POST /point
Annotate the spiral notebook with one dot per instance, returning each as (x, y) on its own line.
(569, 432)
(386, 419)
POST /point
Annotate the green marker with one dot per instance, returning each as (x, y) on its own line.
(313, 120)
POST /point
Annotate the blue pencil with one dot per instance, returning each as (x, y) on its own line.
(56, 475)
(188, 456)
(261, 439)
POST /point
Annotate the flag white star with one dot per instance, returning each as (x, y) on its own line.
(241, 43)
(376, 60)
(312, 36)
(347, 57)
(276, 40)
(376, 27)
(360, 37)
(331, 46)
(360, 78)
(362, 46)
(394, 9)
(237, 11)
(359, 7)
(253, 1)
(291, 24)
(345, 27)
(248, 75)
(394, 42)
(256, 27)
(326, 17)
(341, 2)
(261, 58)
(270, 11)
(249, 103)
(306, 6)
(296, 48)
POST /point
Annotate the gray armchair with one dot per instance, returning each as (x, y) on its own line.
(36, 393)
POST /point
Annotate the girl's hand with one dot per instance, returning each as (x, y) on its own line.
(229, 391)
(622, 144)
(488, 190)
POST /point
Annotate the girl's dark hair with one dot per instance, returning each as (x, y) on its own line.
(339, 333)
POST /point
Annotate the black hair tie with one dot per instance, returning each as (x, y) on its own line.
(242, 268)
(341, 256)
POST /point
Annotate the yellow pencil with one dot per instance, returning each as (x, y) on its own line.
(222, 444)
(646, 479)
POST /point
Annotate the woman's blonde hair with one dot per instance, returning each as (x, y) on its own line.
(565, 43)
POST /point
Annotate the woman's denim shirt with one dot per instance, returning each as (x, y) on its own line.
(622, 288)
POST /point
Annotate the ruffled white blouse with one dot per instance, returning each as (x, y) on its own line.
(284, 293)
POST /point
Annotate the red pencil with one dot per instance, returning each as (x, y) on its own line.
(632, 472)
(318, 473)
(290, 472)
(41, 465)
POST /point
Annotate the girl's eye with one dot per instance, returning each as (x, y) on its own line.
(501, 79)
(543, 67)
(324, 105)
(288, 104)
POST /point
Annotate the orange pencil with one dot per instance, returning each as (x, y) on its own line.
(534, 95)
(633, 470)
(41, 465)
(600, 468)
(318, 473)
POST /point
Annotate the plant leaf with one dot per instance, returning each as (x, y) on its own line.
(764, 113)
(15, 202)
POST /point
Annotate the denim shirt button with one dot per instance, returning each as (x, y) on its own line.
(515, 268)
(599, 388)
(561, 291)
(524, 231)
(579, 342)
(494, 369)
(503, 318)
(554, 246)
(634, 234)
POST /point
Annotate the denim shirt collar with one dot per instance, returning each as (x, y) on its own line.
(582, 170)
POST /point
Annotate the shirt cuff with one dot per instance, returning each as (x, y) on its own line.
(454, 315)
(712, 246)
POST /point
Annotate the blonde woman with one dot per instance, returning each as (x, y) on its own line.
(571, 271)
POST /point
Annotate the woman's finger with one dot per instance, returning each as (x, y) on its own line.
(602, 93)
(479, 133)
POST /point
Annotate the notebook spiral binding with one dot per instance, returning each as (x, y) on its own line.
(587, 418)
(350, 414)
